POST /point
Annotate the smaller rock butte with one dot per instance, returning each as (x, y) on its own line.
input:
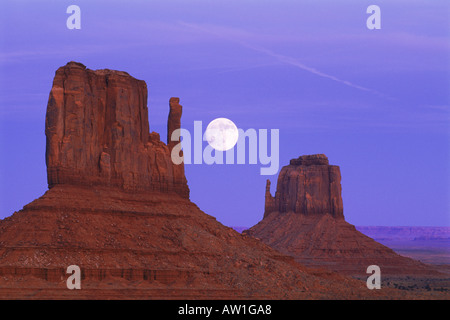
(305, 219)
(310, 186)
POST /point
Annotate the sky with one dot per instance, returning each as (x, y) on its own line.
(376, 102)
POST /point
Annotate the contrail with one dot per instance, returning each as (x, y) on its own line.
(286, 59)
(296, 63)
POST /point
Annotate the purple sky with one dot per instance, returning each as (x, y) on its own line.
(376, 102)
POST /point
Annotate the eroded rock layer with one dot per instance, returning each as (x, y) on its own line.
(144, 245)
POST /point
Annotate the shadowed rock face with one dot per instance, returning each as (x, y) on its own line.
(97, 133)
(309, 186)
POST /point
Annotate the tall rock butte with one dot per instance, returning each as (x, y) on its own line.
(305, 220)
(119, 209)
(97, 133)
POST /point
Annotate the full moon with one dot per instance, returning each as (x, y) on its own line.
(222, 134)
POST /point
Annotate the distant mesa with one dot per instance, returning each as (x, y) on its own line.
(305, 219)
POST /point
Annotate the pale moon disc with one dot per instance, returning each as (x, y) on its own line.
(221, 134)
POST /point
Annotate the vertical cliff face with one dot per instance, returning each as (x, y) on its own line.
(269, 205)
(309, 186)
(97, 133)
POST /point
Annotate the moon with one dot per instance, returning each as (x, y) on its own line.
(222, 134)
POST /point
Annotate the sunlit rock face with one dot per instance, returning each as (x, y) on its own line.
(309, 186)
(97, 133)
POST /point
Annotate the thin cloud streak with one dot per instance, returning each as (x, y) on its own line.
(287, 60)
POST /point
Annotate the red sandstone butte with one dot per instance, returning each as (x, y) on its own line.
(119, 209)
(97, 133)
(310, 186)
(305, 220)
